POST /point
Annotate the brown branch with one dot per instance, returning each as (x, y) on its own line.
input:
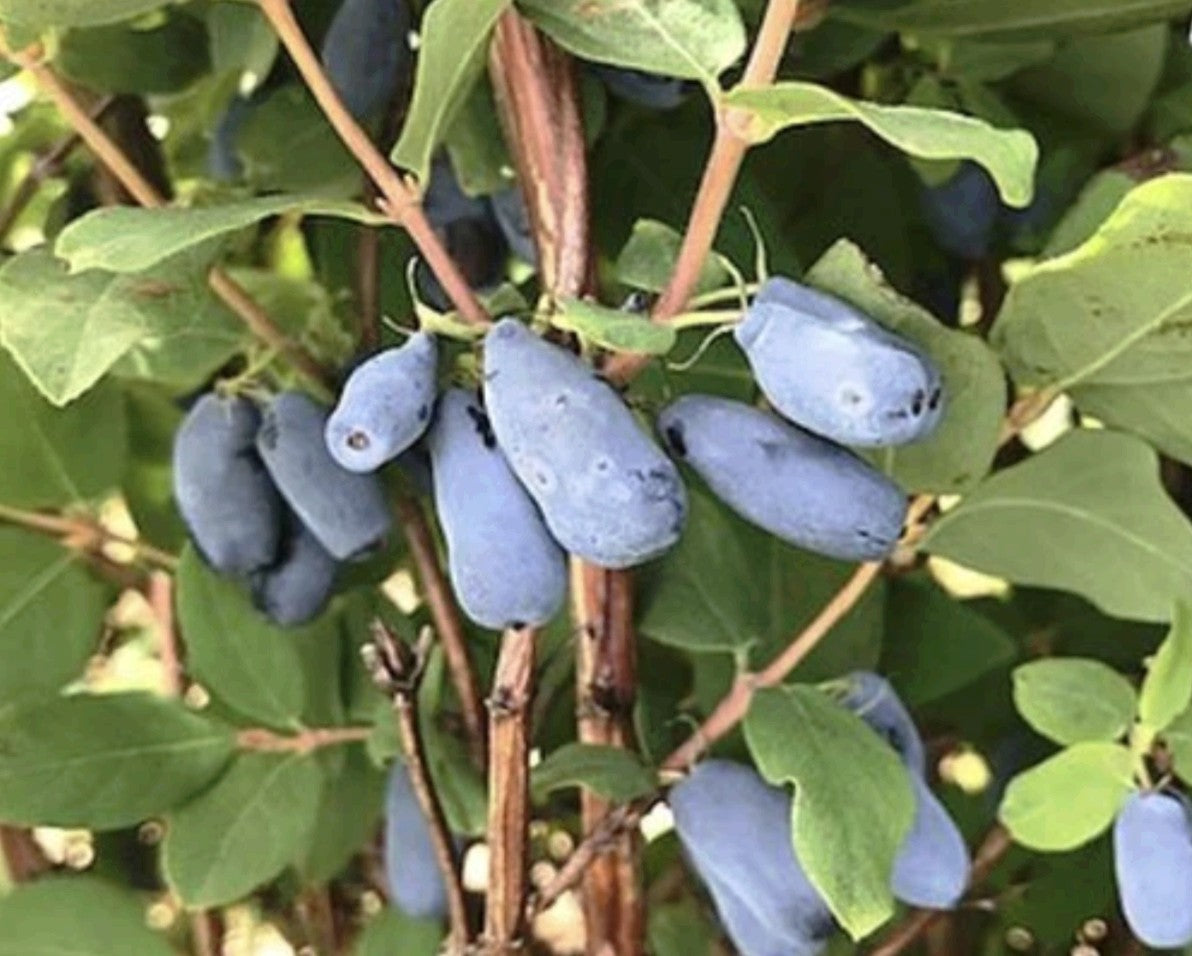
(317, 918)
(45, 167)
(160, 594)
(399, 202)
(992, 849)
(111, 156)
(448, 626)
(397, 671)
(206, 933)
(719, 176)
(85, 536)
(509, 792)
(261, 740)
(22, 857)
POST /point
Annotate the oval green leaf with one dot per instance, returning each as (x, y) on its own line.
(1074, 699)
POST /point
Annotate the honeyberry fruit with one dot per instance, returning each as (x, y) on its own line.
(608, 494)
(799, 487)
(1152, 858)
(411, 870)
(365, 52)
(345, 511)
(224, 493)
(513, 217)
(963, 211)
(650, 90)
(736, 830)
(505, 568)
(296, 587)
(834, 371)
(385, 405)
(871, 698)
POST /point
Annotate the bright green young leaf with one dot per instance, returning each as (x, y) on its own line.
(614, 329)
(610, 772)
(1074, 699)
(234, 651)
(392, 933)
(66, 331)
(257, 819)
(852, 805)
(451, 56)
(79, 916)
(51, 614)
(1009, 155)
(1087, 515)
(131, 239)
(647, 260)
(73, 13)
(1069, 799)
(1167, 690)
(935, 644)
(727, 586)
(1178, 737)
(104, 762)
(693, 39)
(960, 451)
(1107, 322)
(1002, 19)
(58, 456)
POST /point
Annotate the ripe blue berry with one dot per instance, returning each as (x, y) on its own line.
(871, 698)
(415, 884)
(513, 217)
(650, 90)
(296, 587)
(1152, 857)
(365, 52)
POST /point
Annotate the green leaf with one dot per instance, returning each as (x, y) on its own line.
(844, 774)
(1098, 199)
(104, 762)
(163, 58)
(1167, 689)
(648, 259)
(236, 653)
(960, 451)
(243, 831)
(935, 644)
(51, 614)
(393, 933)
(1074, 699)
(727, 586)
(73, 13)
(1178, 737)
(1009, 155)
(1069, 799)
(451, 55)
(1087, 515)
(692, 39)
(131, 239)
(680, 929)
(79, 916)
(610, 772)
(58, 456)
(242, 41)
(66, 331)
(479, 156)
(351, 801)
(614, 329)
(1107, 322)
(1005, 18)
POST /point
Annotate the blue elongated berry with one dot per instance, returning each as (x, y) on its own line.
(736, 830)
(223, 158)
(346, 512)
(607, 492)
(799, 487)
(1152, 858)
(415, 884)
(650, 90)
(509, 207)
(385, 405)
(296, 587)
(963, 211)
(505, 567)
(836, 372)
(932, 866)
(223, 491)
(871, 698)
(365, 52)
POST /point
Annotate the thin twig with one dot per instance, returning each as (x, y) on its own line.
(160, 593)
(259, 323)
(317, 916)
(992, 849)
(43, 168)
(85, 535)
(448, 626)
(206, 932)
(716, 185)
(397, 671)
(261, 740)
(400, 203)
(509, 792)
